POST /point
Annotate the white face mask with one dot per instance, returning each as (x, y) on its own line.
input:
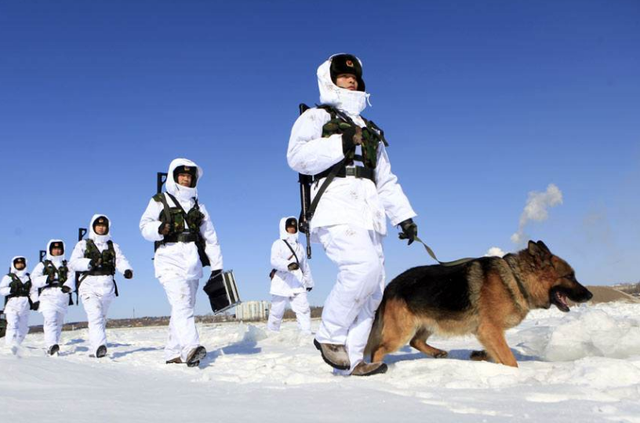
(172, 186)
(351, 102)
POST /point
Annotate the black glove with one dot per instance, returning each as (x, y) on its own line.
(128, 274)
(65, 289)
(351, 137)
(93, 263)
(409, 230)
(309, 289)
(164, 229)
(293, 266)
(35, 306)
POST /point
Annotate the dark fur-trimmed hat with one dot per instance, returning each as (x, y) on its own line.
(191, 170)
(346, 63)
(291, 222)
(57, 244)
(101, 220)
(19, 260)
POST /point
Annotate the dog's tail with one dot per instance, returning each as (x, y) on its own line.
(375, 336)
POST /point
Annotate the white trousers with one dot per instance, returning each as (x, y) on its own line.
(53, 322)
(349, 310)
(299, 305)
(183, 335)
(17, 326)
(53, 306)
(96, 306)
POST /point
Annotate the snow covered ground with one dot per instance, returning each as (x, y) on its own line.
(583, 366)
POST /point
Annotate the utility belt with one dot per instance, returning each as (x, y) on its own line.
(357, 171)
(17, 295)
(181, 237)
(101, 271)
(56, 285)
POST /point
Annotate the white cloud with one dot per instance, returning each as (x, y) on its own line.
(494, 252)
(536, 210)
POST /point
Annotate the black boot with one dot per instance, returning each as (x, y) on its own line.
(195, 355)
(53, 350)
(102, 351)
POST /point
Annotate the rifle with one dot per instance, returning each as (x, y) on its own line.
(81, 233)
(161, 178)
(305, 201)
(305, 198)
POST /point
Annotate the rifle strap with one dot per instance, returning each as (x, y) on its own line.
(294, 253)
(163, 200)
(316, 200)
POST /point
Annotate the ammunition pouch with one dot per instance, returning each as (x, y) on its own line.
(372, 135)
(51, 272)
(108, 256)
(194, 219)
(176, 217)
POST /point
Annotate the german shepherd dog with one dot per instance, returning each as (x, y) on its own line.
(484, 296)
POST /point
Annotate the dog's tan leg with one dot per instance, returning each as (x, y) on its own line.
(419, 342)
(398, 328)
(493, 340)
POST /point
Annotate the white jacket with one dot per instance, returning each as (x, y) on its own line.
(179, 258)
(285, 282)
(17, 304)
(347, 200)
(53, 298)
(101, 285)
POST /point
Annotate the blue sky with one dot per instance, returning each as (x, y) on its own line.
(482, 103)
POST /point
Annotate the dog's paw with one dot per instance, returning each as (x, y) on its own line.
(441, 354)
(479, 356)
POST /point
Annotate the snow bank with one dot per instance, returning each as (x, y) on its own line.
(578, 366)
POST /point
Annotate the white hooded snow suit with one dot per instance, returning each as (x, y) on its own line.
(289, 285)
(350, 218)
(17, 308)
(177, 264)
(53, 302)
(98, 291)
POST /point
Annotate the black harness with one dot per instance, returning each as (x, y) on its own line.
(177, 217)
(108, 266)
(372, 136)
(23, 287)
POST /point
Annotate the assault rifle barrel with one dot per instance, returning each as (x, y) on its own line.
(161, 178)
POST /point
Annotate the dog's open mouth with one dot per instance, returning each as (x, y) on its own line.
(559, 299)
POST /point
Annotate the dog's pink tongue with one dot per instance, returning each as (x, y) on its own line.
(562, 299)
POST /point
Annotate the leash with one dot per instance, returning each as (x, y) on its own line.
(433, 255)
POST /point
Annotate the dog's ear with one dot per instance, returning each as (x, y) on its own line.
(543, 247)
(539, 252)
(533, 248)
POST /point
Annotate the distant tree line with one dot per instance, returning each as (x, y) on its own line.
(164, 321)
